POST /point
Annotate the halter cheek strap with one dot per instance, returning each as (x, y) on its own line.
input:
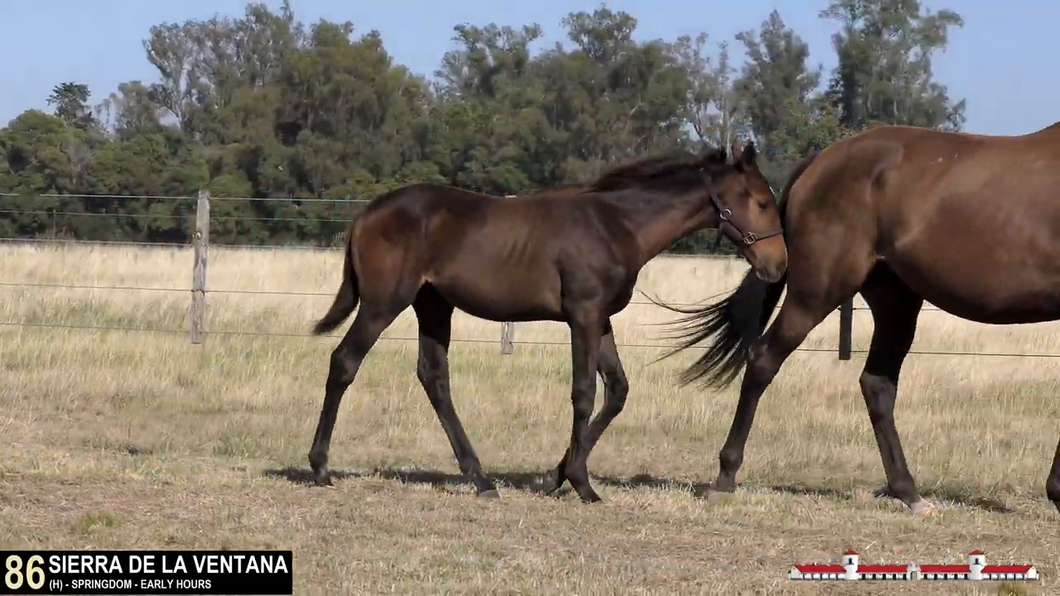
(725, 219)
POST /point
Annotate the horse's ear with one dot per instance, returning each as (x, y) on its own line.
(715, 156)
(744, 158)
(749, 154)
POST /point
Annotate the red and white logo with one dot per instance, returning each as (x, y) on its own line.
(852, 569)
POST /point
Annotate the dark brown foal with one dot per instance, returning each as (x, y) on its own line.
(569, 255)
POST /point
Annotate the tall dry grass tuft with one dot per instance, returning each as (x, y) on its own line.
(171, 445)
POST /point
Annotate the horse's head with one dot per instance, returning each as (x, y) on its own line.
(746, 207)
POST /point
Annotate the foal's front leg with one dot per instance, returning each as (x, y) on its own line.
(616, 388)
(586, 330)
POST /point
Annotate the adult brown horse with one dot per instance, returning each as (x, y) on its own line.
(970, 223)
(570, 255)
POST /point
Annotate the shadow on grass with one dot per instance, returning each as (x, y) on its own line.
(527, 481)
(532, 482)
(962, 499)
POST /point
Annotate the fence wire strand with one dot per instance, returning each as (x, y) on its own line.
(189, 198)
(169, 216)
(54, 286)
(229, 332)
(296, 201)
(326, 294)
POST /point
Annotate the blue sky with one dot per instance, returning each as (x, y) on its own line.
(992, 61)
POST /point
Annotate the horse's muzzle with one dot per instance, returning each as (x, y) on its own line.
(770, 273)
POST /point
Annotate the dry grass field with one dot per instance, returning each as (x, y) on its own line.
(118, 439)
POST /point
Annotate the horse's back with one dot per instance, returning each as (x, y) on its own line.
(472, 247)
(970, 222)
(908, 171)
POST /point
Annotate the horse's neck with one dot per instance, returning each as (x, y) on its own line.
(660, 219)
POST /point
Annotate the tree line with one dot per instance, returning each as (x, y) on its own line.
(266, 106)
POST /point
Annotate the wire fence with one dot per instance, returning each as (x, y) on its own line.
(189, 198)
(507, 341)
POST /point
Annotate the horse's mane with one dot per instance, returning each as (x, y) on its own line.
(655, 169)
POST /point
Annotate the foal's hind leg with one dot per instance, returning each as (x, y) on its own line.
(616, 388)
(346, 360)
(435, 317)
(895, 309)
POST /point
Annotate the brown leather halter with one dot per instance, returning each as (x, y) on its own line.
(725, 219)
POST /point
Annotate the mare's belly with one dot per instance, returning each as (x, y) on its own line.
(984, 288)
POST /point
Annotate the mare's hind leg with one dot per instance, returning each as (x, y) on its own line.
(616, 388)
(895, 309)
(1052, 484)
(435, 317)
(796, 319)
(346, 360)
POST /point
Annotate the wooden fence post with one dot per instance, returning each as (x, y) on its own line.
(507, 338)
(507, 327)
(846, 328)
(198, 273)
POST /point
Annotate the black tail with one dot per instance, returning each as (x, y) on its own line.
(735, 322)
(348, 296)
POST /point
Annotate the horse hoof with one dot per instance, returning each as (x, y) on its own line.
(713, 496)
(710, 494)
(322, 480)
(923, 508)
(545, 484)
(490, 494)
